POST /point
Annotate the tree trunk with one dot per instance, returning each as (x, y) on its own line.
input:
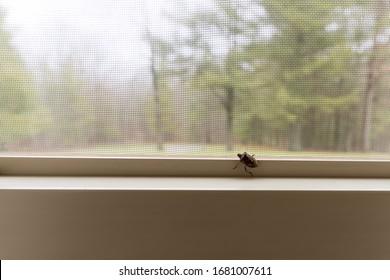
(156, 92)
(381, 10)
(295, 136)
(368, 95)
(337, 131)
(229, 107)
(157, 100)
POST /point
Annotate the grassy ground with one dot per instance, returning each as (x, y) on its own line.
(196, 150)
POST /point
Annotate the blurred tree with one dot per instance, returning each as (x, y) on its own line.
(377, 60)
(154, 71)
(163, 116)
(100, 98)
(66, 91)
(314, 69)
(208, 49)
(300, 73)
(21, 116)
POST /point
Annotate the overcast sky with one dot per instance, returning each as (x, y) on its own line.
(106, 32)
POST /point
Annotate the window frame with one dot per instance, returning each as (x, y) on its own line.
(190, 167)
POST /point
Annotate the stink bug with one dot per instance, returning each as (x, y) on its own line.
(248, 160)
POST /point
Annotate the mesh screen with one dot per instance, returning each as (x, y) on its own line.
(195, 78)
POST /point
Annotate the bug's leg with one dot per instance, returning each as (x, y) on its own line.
(236, 165)
(248, 172)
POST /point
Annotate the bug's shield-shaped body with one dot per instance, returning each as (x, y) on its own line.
(248, 160)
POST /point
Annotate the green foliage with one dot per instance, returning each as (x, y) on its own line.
(309, 69)
(20, 114)
(169, 114)
(314, 68)
(288, 74)
(66, 95)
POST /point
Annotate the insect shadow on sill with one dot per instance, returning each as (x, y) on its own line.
(248, 160)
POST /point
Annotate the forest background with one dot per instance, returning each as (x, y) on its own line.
(273, 77)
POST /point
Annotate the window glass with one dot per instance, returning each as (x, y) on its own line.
(275, 78)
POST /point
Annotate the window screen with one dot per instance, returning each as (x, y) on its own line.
(275, 78)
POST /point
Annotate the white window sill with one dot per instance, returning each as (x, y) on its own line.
(191, 183)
